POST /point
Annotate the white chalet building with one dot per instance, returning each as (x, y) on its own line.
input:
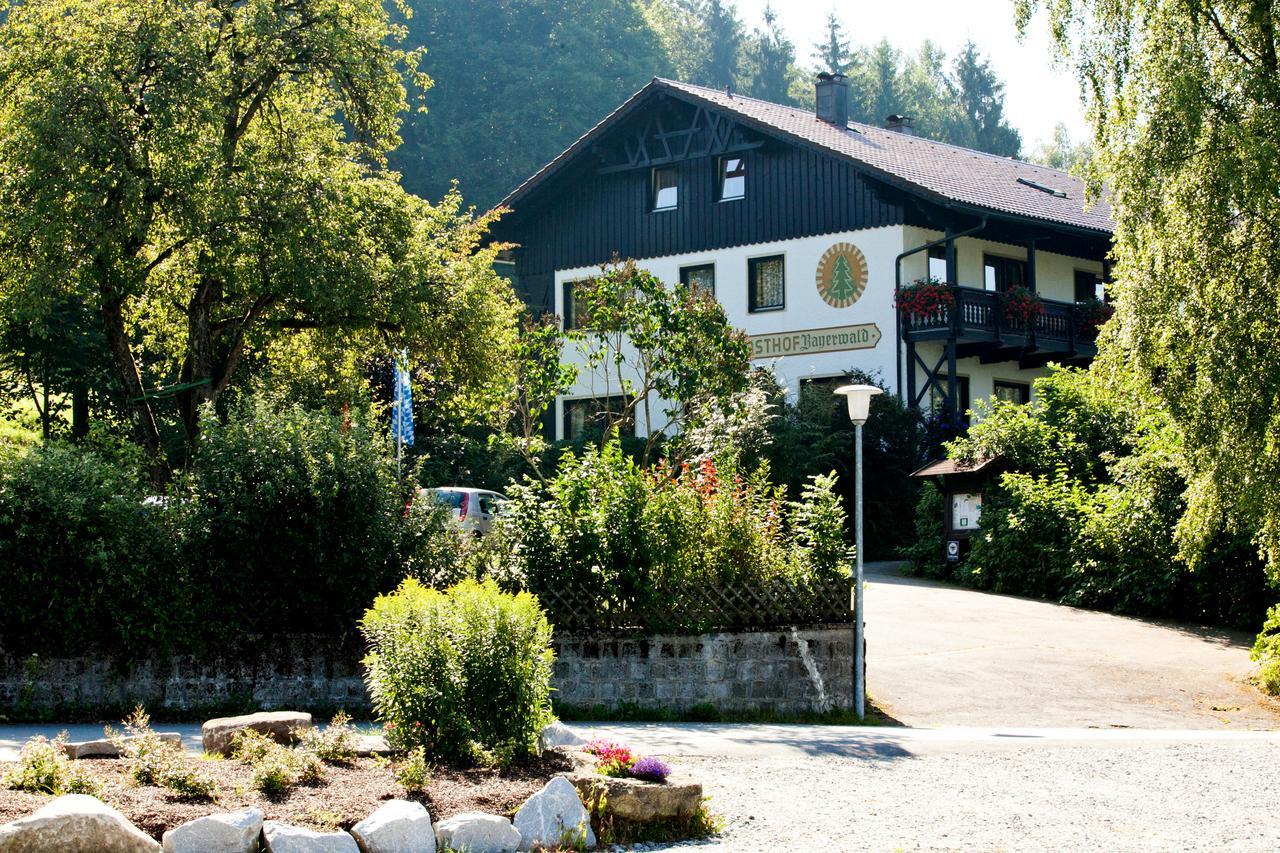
(804, 224)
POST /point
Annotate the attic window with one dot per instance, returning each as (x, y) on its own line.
(1050, 190)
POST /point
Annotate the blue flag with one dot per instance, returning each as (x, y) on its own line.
(402, 408)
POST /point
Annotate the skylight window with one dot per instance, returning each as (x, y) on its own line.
(1035, 186)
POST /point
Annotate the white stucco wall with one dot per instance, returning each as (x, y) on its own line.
(806, 310)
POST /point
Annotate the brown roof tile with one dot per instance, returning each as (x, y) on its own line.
(945, 171)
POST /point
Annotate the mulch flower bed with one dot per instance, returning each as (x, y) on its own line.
(349, 794)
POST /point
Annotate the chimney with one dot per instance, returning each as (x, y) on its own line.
(899, 124)
(832, 98)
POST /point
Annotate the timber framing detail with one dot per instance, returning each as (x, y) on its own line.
(670, 136)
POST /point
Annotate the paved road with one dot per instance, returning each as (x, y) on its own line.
(943, 656)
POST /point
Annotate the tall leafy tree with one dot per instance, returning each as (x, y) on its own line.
(1184, 98)
(517, 81)
(209, 175)
(1060, 151)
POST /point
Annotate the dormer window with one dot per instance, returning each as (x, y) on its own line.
(733, 178)
(666, 189)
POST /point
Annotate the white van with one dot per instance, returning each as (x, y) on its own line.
(473, 509)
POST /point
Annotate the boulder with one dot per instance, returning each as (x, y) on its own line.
(282, 726)
(558, 734)
(104, 748)
(398, 826)
(231, 832)
(477, 832)
(370, 745)
(280, 837)
(635, 799)
(554, 818)
(75, 823)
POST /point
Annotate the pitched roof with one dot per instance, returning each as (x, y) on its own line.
(946, 172)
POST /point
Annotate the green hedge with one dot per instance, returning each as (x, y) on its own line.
(288, 521)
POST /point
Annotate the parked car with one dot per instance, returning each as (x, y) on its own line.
(473, 509)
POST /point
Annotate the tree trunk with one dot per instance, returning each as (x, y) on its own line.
(199, 363)
(145, 429)
(79, 411)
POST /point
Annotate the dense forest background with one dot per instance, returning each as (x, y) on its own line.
(517, 81)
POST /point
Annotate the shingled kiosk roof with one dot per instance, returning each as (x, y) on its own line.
(984, 182)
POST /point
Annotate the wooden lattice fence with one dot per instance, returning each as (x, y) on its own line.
(699, 609)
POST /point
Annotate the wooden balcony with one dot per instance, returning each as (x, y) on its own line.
(979, 327)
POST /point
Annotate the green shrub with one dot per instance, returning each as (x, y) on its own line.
(301, 507)
(188, 783)
(250, 747)
(643, 537)
(335, 743)
(1266, 651)
(926, 550)
(152, 757)
(85, 564)
(813, 436)
(43, 768)
(274, 775)
(1029, 528)
(413, 771)
(460, 671)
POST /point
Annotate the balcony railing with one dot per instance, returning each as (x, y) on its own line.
(980, 315)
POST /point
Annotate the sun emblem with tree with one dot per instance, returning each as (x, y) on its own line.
(842, 275)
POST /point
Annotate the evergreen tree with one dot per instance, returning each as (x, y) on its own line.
(980, 93)
(770, 62)
(516, 81)
(834, 55)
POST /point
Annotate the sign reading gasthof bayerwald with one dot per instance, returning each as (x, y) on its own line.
(809, 341)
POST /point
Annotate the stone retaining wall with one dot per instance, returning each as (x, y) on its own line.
(804, 669)
(314, 673)
(796, 670)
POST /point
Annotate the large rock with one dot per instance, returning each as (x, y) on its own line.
(370, 745)
(280, 837)
(231, 832)
(635, 799)
(399, 826)
(103, 748)
(476, 832)
(558, 734)
(75, 823)
(554, 817)
(282, 726)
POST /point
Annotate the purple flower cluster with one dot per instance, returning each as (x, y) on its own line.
(650, 769)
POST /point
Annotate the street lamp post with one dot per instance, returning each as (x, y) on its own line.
(859, 399)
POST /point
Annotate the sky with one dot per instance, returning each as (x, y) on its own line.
(1037, 94)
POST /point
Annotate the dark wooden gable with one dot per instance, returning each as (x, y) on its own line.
(597, 204)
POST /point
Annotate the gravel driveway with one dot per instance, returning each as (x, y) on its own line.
(1167, 797)
(960, 789)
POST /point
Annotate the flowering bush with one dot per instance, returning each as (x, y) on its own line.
(1022, 307)
(1093, 313)
(924, 298)
(650, 769)
(607, 750)
(617, 759)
